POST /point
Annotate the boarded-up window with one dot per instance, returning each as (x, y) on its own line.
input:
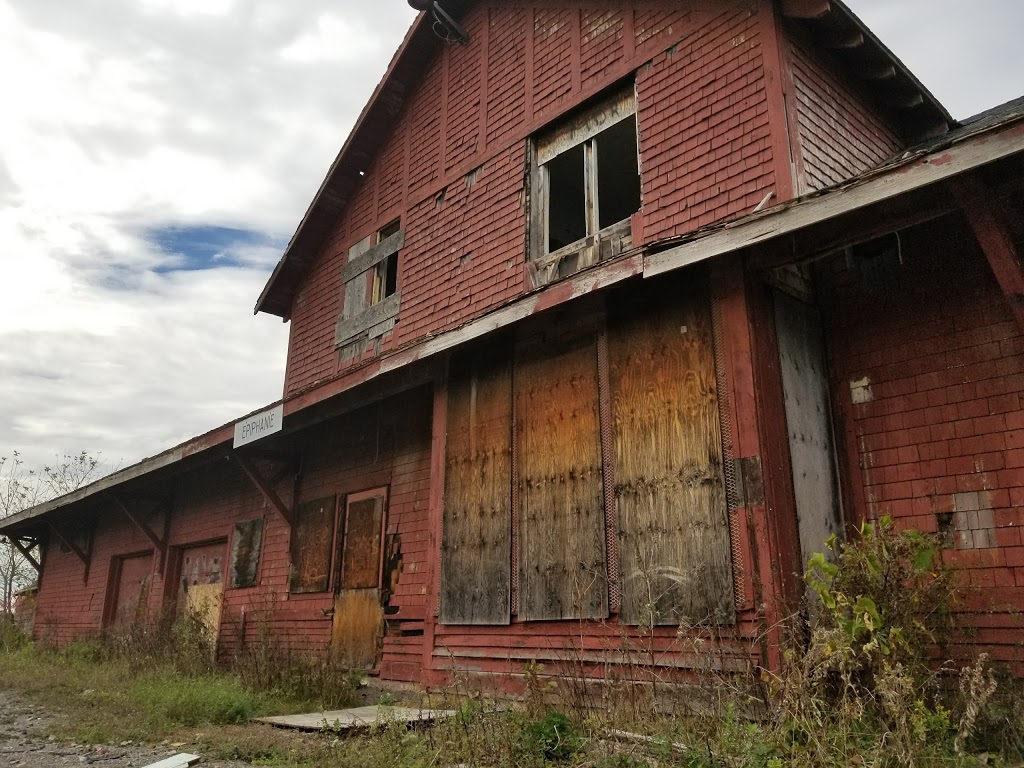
(361, 558)
(128, 592)
(562, 569)
(371, 302)
(674, 545)
(245, 552)
(476, 545)
(312, 536)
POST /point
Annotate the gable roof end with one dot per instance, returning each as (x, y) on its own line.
(829, 22)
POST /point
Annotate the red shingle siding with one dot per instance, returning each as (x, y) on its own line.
(506, 77)
(705, 150)
(840, 134)
(552, 53)
(705, 141)
(942, 431)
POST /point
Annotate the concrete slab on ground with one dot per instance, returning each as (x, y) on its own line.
(357, 718)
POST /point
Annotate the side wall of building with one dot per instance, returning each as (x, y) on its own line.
(928, 370)
(840, 133)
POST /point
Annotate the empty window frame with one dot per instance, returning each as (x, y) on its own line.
(371, 300)
(585, 186)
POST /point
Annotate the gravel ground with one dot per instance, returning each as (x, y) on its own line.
(24, 743)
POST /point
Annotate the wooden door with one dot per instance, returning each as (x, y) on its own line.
(201, 585)
(129, 599)
(808, 422)
(358, 613)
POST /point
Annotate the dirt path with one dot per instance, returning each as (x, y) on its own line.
(24, 743)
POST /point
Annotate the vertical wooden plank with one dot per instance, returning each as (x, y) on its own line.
(562, 561)
(476, 538)
(674, 548)
(809, 423)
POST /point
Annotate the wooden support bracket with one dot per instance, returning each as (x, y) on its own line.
(981, 208)
(68, 543)
(26, 552)
(138, 522)
(160, 544)
(264, 487)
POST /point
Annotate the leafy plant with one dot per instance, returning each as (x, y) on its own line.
(552, 737)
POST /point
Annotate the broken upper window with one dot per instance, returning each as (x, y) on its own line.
(585, 186)
(371, 302)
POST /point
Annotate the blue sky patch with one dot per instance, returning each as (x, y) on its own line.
(194, 248)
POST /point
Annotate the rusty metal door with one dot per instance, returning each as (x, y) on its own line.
(358, 613)
(808, 422)
(201, 585)
(129, 598)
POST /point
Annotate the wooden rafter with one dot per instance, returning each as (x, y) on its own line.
(138, 522)
(68, 543)
(805, 9)
(981, 209)
(26, 552)
(264, 487)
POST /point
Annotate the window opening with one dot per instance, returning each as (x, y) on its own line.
(585, 181)
(618, 173)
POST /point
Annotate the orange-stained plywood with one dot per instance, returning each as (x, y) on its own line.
(477, 523)
(674, 545)
(562, 561)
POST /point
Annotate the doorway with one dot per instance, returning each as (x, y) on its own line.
(358, 613)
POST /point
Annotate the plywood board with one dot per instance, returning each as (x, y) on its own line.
(562, 563)
(361, 559)
(245, 552)
(477, 527)
(808, 422)
(358, 626)
(674, 546)
(311, 543)
(357, 718)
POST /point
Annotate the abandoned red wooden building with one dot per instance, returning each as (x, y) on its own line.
(606, 315)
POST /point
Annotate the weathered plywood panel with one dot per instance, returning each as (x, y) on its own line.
(245, 552)
(361, 562)
(358, 627)
(312, 537)
(808, 422)
(562, 562)
(477, 528)
(674, 546)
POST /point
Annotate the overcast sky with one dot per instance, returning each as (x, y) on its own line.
(156, 155)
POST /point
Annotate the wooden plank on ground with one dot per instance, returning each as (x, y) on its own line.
(562, 561)
(674, 546)
(477, 524)
(357, 718)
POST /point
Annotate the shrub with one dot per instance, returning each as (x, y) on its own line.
(552, 737)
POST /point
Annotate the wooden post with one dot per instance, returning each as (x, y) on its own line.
(439, 427)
